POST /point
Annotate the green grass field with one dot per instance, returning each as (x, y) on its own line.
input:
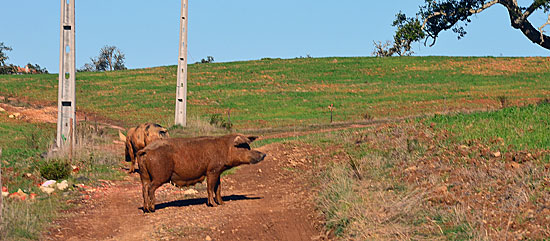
(297, 92)
(519, 128)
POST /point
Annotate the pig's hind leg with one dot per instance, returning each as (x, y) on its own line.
(145, 184)
(155, 179)
(153, 186)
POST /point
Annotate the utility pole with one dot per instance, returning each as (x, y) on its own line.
(181, 89)
(66, 109)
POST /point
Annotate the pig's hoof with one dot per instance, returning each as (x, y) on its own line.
(148, 210)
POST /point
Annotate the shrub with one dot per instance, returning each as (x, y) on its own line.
(219, 121)
(55, 169)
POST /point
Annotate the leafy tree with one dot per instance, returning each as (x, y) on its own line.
(110, 58)
(4, 67)
(37, 69)
(436, 16)
(3, 55)
(209, 59)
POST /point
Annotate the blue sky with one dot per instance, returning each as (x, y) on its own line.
(147, 31)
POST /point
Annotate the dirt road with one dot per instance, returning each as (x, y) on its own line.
(268, 201)
(272, 200)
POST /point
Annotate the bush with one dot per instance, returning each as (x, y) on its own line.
(219, 121)
(55, 169)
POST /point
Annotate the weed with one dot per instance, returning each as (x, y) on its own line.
(544, 101)
(503, 100)
(367, 116)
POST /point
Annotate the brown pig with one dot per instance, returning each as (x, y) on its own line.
(141, 136)
(187, 161)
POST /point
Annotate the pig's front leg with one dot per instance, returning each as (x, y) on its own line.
(211, 183)
(218, 190)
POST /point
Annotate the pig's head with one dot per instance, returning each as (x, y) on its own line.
(240, 152)
(155, 132)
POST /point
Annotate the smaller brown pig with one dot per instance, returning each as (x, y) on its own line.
(187, 161)
(141, 136)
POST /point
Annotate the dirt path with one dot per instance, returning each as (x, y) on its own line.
(272, 200)
(48, 114)
(268, 201)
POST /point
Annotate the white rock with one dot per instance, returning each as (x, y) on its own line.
(5, 194)
(47, 190)
(2, 109)
(63, 185)
(49, 183)
(11, 116)
(190, 192)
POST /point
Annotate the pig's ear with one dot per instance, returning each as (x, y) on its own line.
(252, 138)
(239, 140)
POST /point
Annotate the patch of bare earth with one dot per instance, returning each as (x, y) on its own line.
(271, 200)
(35, 113)
(491, 66)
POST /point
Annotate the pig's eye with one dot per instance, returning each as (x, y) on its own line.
(243, 145)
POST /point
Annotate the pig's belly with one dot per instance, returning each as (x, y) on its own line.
(180, 182)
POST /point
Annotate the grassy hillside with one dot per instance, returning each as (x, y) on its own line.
(275, 92)
(480, 176)
(417, 169)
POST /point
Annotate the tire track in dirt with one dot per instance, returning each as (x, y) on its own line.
(272, 200)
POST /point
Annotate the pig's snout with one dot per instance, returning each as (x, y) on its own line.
(259, 158)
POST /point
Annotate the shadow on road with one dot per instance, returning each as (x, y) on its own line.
(200, 201)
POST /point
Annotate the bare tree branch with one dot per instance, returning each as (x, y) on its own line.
(431, 16)
(541, 29)
(487, 5)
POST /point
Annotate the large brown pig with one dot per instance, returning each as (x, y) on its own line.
(187, 161)
(141, 136)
